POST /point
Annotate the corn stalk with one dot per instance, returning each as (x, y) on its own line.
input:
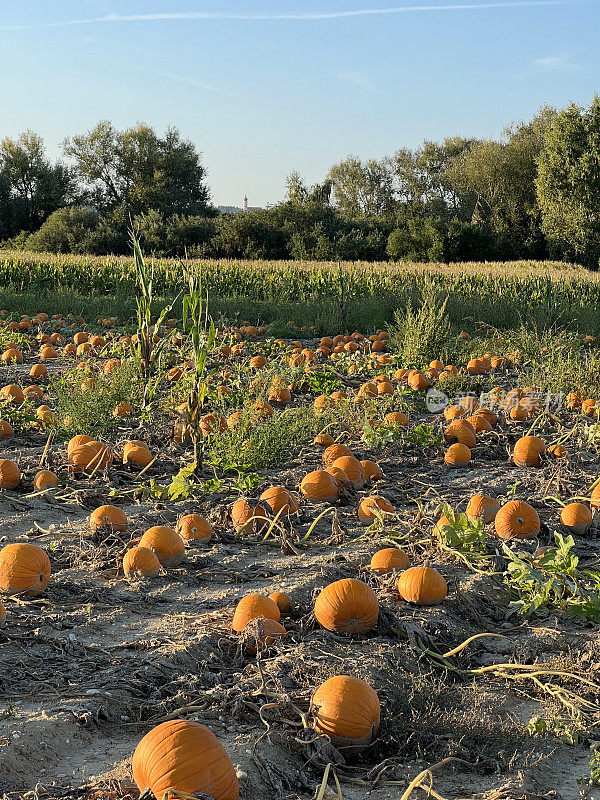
(147, 350)
(201, 329)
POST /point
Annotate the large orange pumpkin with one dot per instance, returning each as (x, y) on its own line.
(347, 606)
(10, 474)
(347, 709)
(24, 569)
(480, 506)
(194, 527)
(184, 756)
(528, 450)
(279, 500)
(167, 545)
(247, 518)
(140, 562)
(517, 520)
(576, 517)
(374, 508)
(320, 487)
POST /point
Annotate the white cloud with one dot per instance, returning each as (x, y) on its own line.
(292, 15)
(561, 62)
(356, 79)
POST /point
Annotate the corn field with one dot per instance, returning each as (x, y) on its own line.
(502, 294)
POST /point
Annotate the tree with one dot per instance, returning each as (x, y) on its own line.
(33, 185)
(139, 170)
(568, 183)
(363, 189)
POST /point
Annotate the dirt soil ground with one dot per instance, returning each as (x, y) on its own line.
(89, 667)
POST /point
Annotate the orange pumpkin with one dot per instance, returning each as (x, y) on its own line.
(347, 606)
(333, 452)
(457, 455)
(279, 500)
(595, 498)
(184, 756)
(194, 527)
(137, 454)
(109, 518)
(389, 559)
(247, 518)
(253, 606)
(323, 440)
(576, 517)
(24, 569)
(528, 451)
(460, 431)
(346, 709)
(423, 586)
(396, 418)
(167, 545)
(264, 632)
(517, 520)
(140, 562)
(44, 479)
(353, 469)
(10, 474)
(283, 600)
(320, 487)
(371, 470)
(480, 506)
(373, 508)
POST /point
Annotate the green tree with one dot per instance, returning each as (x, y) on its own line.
(139, 170)
(33, 186)
(568, 183)
(363, 189)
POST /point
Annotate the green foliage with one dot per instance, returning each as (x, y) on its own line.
(256, 445)
(421, 332)
(67, 230)
(183, 486)
(91, 411)
(462, 533)
(595, 768)
(418, 240)
(568, 183)
(553, 583)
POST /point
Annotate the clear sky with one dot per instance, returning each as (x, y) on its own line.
(266, 87)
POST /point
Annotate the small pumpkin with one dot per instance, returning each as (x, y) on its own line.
(253, 606)
(371, 470)
(517, 520)
(44, 479)
(480, 506)
(109, 518)
(347, 607)
(140, 562)
(347, 710)
(166, 543)
(576, 517)
(24, 569)
(261, 633)
(423, 586)
(194, 527)
(373, 508)
(247, 518)
(457, 455)
(137, 454)
(389, 559)
(186, 757)
(283, 600)
(279, 500)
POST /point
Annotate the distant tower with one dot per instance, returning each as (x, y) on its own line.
(245, 204)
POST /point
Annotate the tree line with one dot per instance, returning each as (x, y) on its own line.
(533, 193)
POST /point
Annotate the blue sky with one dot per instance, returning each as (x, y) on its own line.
(266, 87)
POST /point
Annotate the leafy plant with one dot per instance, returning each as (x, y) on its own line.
(552, 582)
(462, 533)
